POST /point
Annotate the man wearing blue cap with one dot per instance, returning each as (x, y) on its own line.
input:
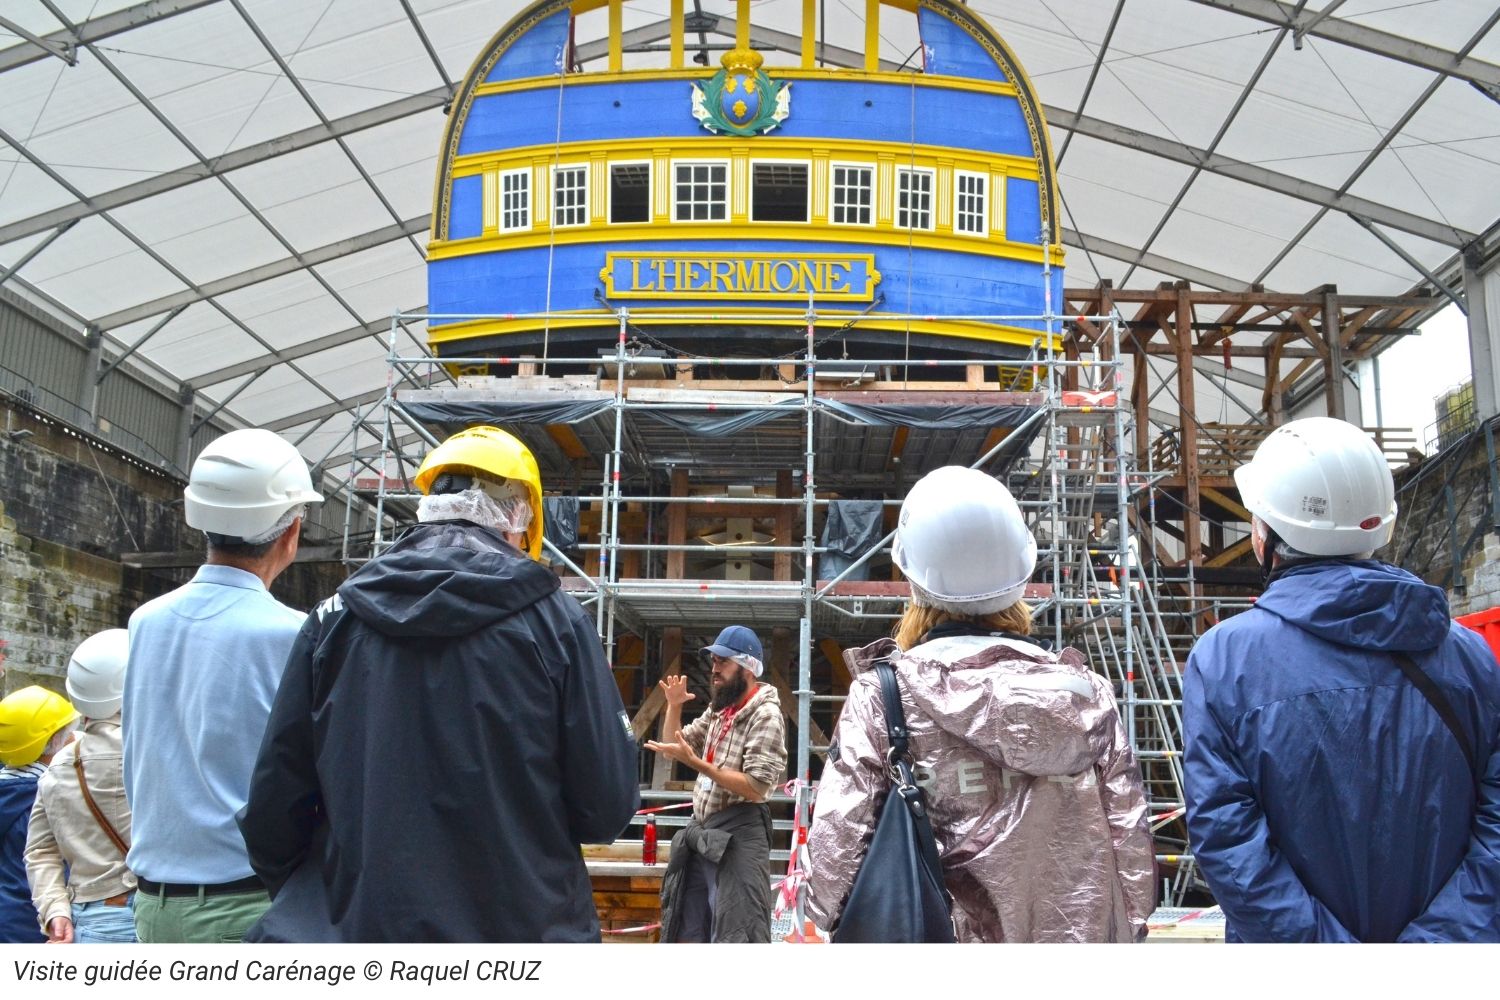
(718, 886)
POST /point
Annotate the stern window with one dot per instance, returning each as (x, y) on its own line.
(853, 196)
(702, 192)
(570, 196)
(630, 192)
(969, 215)
(913, 199)
(778, 192)
(515, 200)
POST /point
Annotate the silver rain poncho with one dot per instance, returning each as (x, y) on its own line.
(1035, 796)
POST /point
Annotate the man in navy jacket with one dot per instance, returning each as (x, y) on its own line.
(447, 734)
(1328, 799)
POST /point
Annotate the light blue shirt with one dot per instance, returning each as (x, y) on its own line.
(205, 662)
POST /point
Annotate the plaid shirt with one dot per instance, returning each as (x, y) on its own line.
(755, 745)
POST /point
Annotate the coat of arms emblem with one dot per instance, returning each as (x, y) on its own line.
(741, 99)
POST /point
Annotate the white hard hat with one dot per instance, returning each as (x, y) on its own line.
(243, 482)
(96, 673)
(962, 543)
(1323, 486)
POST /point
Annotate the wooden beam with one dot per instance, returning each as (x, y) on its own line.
(1188, 427)
(809, 33)
(677, 526)
(835, 656)
(1230, 554)
(567, 440)
(676, 17)
(1222, 500)
(781, 564)
(898, 445)
(1333, 364)
(616, 35)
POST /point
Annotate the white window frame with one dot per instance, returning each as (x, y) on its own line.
(873, 188)
(750, 192)
(609, 191)
(931, 209)
(525, 193)
(583, 205)
(982, 212)
(728, 191)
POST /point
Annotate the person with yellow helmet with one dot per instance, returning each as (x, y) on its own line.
(34, 725)
(447, 734)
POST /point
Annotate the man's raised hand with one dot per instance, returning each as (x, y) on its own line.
(675, 688)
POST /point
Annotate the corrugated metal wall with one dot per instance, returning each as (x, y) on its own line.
(42, 359)
(46, 357)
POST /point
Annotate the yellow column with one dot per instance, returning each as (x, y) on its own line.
(616, 31)
(742, 24)
(809, 34)
(676, 18)
(872, 36)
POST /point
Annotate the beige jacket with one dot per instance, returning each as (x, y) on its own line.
(64, 831)
(1035, 796)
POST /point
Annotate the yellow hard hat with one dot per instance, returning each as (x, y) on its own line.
(495, 453)
(28, 718)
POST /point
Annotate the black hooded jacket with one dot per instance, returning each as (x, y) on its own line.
(447, 733)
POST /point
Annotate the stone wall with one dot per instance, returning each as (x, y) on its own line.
(1447, 511)
(69, 507)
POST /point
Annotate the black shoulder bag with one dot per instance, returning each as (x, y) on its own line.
(898, 895)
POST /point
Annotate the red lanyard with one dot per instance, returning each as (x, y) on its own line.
(726, 722)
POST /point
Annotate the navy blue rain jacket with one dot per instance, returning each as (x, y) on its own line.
(1326, 799)
(446, 735)
(18, 923)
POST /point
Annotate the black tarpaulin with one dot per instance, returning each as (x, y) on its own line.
(560, 522)
(852, 529)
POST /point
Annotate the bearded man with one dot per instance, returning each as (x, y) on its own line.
(718, 881)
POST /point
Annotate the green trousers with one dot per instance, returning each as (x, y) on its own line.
(197, 919)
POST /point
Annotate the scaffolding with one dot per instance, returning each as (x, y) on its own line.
(800, 441)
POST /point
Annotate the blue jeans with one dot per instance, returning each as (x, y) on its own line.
(95, 923)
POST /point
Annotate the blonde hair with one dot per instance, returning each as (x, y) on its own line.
(916, 621)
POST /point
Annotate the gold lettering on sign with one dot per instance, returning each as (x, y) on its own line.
(744, 276)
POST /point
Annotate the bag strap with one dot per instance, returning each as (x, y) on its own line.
(1440, 704)
(899, 765)
(895, 715)
(88, 797)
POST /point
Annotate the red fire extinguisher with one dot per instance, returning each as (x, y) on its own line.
(648, 842)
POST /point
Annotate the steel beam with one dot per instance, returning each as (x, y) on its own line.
(62, 50)
(1482, 290)
(375, 328)
(1413, 263)
(1295, 187)
(1381, 43)
(31, 254)
(349, 403)
(264, 272)
(1155, 262)
(99, 28)
(219, 165)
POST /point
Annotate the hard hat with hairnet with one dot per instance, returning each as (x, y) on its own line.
(495, 458)
(962, 543)
(28, 719)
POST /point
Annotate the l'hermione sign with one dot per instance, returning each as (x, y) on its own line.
(850, 277)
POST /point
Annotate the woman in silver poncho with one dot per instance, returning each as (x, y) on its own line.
(1035, 797)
